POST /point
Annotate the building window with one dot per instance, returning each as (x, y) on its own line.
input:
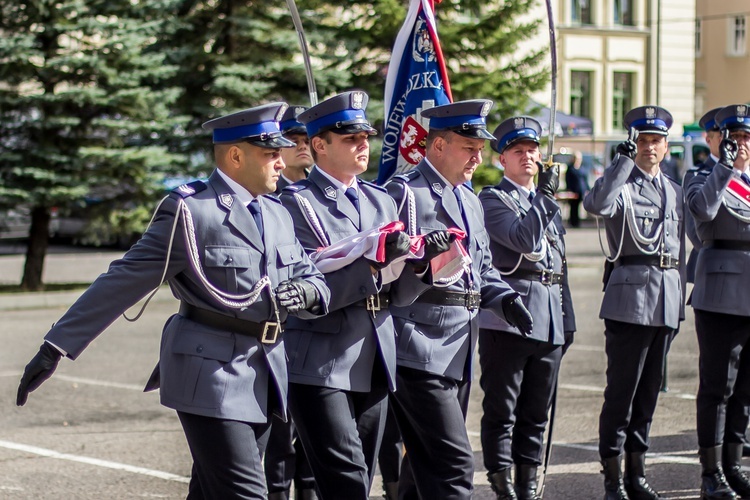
(737, 36)
(580, 93)
(622, 98)
(623, 10)
(581, 12)
(698, 27)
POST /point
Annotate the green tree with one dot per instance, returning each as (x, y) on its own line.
(83, 108)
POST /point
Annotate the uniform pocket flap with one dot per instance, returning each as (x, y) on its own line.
(629, 277)
(226, 256)
(288, 254)
(204, 345)
(425, 314)
(724, 266)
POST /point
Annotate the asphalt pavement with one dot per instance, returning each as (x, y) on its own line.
(91, 433)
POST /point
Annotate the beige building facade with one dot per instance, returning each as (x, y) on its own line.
(614, 55)
(722, 62)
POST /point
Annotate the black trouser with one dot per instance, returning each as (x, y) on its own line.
(723, 402)
(431, 414)
(391, 450)
(227, 457)
(635, 367)
(285, 459)
(341, 433)
(518, 379)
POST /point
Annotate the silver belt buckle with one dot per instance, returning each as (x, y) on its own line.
(547, 277)
(273, 328)
(472, 301)
(665, 260)
(373, 303)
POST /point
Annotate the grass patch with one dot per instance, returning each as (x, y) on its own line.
(48, 287)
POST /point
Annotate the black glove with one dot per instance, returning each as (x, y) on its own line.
(727, 149)
(435, 243)
(628, 148)
(40, 368)
(297, 294)
(549, 179)
(397, 245)
(516, 313)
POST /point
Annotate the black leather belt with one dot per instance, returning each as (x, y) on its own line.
(374, 302)
(267, 332)
(727, 245)
(545, 276)
(469, 300)
(665, 261)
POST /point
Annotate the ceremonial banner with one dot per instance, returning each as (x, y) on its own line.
(417, 79)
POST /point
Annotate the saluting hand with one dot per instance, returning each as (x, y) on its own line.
(297, 294)
(728, 149)
(397, 245)
(516, 313)
(549, 179)
(628, 147)
(40, 368)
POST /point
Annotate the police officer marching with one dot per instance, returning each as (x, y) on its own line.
(519, 372)
(718, 200)
(437, 333)
(222, 365)
(644, 294)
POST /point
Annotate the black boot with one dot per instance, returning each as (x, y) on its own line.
(713, 483)
(502, 485)
(732, 461)
(635, 478)
(526, 482)
(390, 490)
(614, 488)
(279, 495)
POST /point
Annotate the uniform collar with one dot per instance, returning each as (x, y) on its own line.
(440, 176)
(240, 192)
(524, 190)
(650, 177)
(339, 185)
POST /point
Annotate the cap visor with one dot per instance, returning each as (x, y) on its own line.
(476, 133)
(272, 143)
(295, 130)
(354, 129)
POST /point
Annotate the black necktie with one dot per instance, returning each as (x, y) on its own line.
(531, 196)
(460, 202)
(254, 208)
(351, 193)
(745, 178)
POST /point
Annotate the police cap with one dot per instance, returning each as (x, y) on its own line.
(708, 121)
(515, 129)
(258, 126)
(290, 124)
(734, 117)
(342, 114)
(649, 120)
(466, 118)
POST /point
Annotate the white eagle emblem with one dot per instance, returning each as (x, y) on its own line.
(422, 46)
(486, 108)
(298, 111)
(651, 113)
(519, 122)
(357, 99)
(741, 110)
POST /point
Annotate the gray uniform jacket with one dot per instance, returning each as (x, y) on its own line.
(518, 226)
(440, 339)
(339, 350)
(203, 370)
(637, 293)
(720, 275)
(690, 230)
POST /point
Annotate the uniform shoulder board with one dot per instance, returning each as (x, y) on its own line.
(704, 172)
(272, 197)
(408, 176)
(373, 185)
(190, 188)
(297, 186)
(695, 168)
(670, 178)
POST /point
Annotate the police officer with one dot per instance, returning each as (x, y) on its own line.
(720, 298)
(438, 332)
(342, 366)
(519, 373)
(285, 460)
(644, 293)
(713, 138)
(298, 160)
(222, 364)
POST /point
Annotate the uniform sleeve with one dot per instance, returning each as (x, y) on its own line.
(493, 288)
(704, 193)
(604, 198)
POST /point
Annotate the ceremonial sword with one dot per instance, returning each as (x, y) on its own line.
(305, 54)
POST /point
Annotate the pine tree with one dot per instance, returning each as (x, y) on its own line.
(83, 108)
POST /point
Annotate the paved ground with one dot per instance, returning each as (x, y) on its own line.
(90, 433)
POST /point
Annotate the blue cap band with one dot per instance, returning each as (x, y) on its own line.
(328, 121)
(287, 124)
(525, 133)
(710, 125)
(233, 134)
(451, 122)
(653, 122)
(733, 120)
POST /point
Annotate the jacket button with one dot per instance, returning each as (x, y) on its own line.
(411, 315)
(199, 349)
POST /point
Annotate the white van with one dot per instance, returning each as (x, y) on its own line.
(685, 151)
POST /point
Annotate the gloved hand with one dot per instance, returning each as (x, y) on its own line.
(40, 368)
(628, 148)
(297, 294)
(516, 313)
(435, 243)
(549, 179)
(397, 245)
(727, 149)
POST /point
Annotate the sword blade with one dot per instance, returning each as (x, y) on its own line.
(553, 83)
(312, 90)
